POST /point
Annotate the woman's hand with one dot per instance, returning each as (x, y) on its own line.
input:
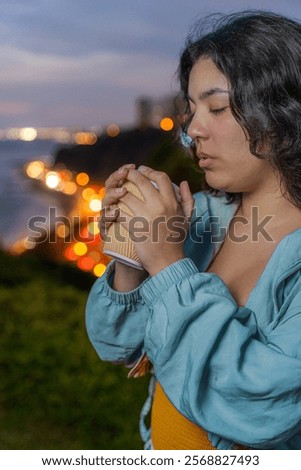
(125, 278)
(160, 222)
(114, 192)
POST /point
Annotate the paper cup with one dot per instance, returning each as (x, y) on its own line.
(119, 244)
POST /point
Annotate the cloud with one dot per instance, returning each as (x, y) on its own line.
(86, 90)
(87, 61)
(14, 108)
(126, 71)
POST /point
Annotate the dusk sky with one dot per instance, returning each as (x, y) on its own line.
(84, 62)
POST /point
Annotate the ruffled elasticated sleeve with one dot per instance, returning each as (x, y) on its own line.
(216, 365)
(115, 321)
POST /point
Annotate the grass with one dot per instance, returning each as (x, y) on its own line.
(55, 393)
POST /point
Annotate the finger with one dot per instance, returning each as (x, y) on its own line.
(149, 179)
(161, 179)
(132, 204)
(109, 215)
(112, 196)
(118, 177)
(144, 184)
(187, 198)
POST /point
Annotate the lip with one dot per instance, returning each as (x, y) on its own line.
(205, 160)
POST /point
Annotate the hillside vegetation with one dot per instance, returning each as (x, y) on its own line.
(55, 393)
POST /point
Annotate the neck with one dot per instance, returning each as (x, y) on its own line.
(269, 203)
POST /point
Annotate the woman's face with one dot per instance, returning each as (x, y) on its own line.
(222, 147)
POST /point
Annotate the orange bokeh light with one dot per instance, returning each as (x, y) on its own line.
(99, 269)
(88, 193)
(35, 169)
(82, 179)
(85, 138)
(86, 263)
(166, 124)
(69, 254)
(62, 231)
(80, 248)
(113, 130)
(69, 188)
(102, 192)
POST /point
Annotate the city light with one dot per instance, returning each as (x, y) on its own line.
(166, 124)
(87, 256)
(86, 263)
(81, 243)
(93, 228)
(52, 180)
(82, 179)
(80, 248)
(62, 231)
(85, 138)
(95, 205)
(95, 255)
(113, 130)
(102, 192)
(35, 169)
(70, 255)
(88, 193)
(99, 269)
(28, 134)
(69, 188)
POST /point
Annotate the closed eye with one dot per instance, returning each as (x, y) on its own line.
(218, 110)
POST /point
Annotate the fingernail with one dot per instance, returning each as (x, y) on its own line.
(142, 168)
(119, 190)
(121, 171)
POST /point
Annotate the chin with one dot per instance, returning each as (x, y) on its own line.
(218, 184)
(224, 185)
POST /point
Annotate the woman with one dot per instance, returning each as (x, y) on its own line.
(219, 315)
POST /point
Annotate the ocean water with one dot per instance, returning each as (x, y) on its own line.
(19, 199)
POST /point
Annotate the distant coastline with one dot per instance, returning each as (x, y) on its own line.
(18, 200)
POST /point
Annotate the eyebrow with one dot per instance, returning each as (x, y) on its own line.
(212, 91)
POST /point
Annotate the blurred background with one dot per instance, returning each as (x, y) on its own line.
(85, 86)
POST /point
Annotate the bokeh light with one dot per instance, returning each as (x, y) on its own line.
(85, 138)
(102, 192)
(66, 175)
(99, 269)
(62, 231)
(95, 255)
(113, 130)
(88, 193)
(82, 179)
(80, 249)
(93, 228)
(69, 254)
(35, 169)
(95, 205)
(166, 124)
(28, 134)
(69, 188)
(52, 180)
(28, 244)
(86, 263)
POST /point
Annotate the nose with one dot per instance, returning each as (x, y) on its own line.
(197, 128)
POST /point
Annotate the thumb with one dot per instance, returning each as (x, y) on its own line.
(187, 198)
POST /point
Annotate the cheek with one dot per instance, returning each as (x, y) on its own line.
(231, 131)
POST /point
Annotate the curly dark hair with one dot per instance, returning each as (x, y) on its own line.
(259, 53)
